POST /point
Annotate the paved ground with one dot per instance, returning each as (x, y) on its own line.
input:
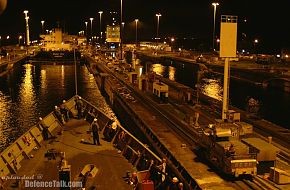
(111, 165)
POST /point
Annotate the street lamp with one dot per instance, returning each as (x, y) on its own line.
(86, 23)
(19, 38)
(100, 12)
(121, 31)
(42, 26)
(213, 33)
(91, 19)
(217, 43)
(256, 41)
(136, 21)
(157, 32)
(27, 28)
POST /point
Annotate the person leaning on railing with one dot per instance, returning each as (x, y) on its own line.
(64, 111)
(79, 106)
(58, 115)
(44, 129)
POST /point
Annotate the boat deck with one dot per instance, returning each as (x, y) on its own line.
(111, 166)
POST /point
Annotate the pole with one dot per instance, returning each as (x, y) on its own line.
(91, 19)
(42, 26)
(157, 32)
(76, 80)
(121, 33)
(86, 23)
(213, 33)
(100, 12)
(225, 90)
(27, 28)
(136, 20)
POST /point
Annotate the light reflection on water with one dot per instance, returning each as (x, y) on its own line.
(32, 91)
(171, 73)
(158, 69)
(212, 88)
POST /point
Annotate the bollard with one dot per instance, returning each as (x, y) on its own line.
(270, 140)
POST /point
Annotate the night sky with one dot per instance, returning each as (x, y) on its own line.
(268, 21)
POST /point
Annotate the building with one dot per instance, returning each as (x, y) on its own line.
(56, 40)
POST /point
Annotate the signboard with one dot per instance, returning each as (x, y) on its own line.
(113, 34)
(113, 40)
(228, 36)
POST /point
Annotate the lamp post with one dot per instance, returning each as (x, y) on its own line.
(19, 38)
(42, 26)
(27, 28)
(121, 31)
(100, 12)
(86, 23)
(7, 38)
(157, 32)
(217, 44)
(91, 19)
(214, 14)
(136, 21)
(256, 41)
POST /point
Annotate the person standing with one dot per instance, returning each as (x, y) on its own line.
(58, 114)
(95, 130)
(174, 184)
(44, 129)
(79, 106)
(64, 111)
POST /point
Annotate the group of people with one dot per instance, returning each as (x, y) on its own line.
(161, 180)
(62, 113)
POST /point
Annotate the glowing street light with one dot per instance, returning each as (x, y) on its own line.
(157, 32)
(19, 38)
(256, 41)
(42, 26)
(91, 19)
(27, 28)
(121, 31)
(100, 12)
(136, 21)
(214, 14)
(86, 23)
(217, 43)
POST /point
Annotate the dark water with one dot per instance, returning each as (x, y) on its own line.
(275, 105)
(32, 91)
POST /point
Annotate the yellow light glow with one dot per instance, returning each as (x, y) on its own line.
(212, 88)
(158, 68)
(171, 73)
